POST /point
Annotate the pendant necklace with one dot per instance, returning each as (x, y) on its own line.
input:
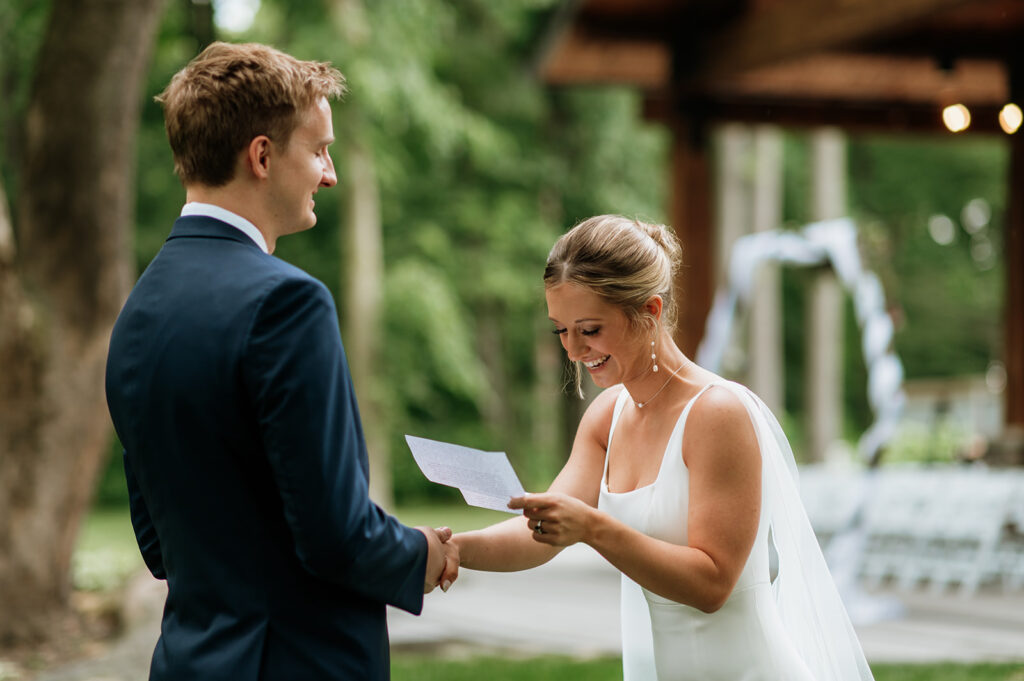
(641, 405)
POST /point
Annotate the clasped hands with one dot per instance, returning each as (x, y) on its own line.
(554, 519)
(442, 559)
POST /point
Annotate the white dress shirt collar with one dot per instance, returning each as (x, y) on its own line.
(234, 219)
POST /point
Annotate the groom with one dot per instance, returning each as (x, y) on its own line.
(228, 386)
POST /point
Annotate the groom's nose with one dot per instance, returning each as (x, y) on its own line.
(329, 178)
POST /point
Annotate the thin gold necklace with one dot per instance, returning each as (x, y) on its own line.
(641, 405)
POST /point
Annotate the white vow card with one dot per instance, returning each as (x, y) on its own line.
(486, 479)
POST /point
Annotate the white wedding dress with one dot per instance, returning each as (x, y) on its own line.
(791, 629)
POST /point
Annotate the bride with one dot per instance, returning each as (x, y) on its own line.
(680, 479)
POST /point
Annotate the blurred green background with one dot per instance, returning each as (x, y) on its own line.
(479, 167)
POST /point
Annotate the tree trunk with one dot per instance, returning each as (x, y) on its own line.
(490, 348)
(6, 233)
(548, 404)
(61, 290)
(364, 275)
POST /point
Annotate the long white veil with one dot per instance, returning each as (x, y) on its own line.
(808, 600)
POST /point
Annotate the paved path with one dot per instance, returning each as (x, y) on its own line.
(571, 607)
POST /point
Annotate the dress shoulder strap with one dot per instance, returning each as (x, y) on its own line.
(620, 403)
(701, 392)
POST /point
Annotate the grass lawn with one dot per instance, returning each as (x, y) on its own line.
(106, 553)
(949, 672)
(418, 668)
(459, 518)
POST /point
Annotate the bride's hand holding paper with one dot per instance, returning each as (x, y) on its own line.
(486, 479)
(556, 519)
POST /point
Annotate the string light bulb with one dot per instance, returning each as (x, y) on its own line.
(1010, 118)
(957, 117)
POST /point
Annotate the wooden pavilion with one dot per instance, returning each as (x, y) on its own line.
(883, 65)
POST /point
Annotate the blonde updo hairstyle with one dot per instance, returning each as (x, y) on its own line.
(624, 261)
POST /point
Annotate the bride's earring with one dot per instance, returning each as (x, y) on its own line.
(654, 358)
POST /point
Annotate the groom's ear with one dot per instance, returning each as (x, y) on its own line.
(257, 156)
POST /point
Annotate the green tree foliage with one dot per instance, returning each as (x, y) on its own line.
(948, 296)
(160, 195)
(21, 30)
(480, 168)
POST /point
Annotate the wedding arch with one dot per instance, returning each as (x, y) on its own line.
(834, 243)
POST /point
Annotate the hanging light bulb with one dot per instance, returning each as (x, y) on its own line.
(1010, 118)
(956, 117)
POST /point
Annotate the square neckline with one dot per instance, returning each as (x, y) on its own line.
(620, 403)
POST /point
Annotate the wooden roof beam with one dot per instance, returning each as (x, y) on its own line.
(861, 117)
(778, 31)
(581, 58)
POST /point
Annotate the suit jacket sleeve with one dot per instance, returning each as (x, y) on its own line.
(145, 533)
(298, 379)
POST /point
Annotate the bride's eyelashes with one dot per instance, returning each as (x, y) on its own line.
(583, 332)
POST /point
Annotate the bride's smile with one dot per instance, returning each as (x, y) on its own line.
(599, 336)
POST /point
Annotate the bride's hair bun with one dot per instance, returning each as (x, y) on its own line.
(665, 238)
(623, 260)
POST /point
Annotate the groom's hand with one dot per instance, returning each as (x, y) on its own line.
(442, 559)
(452, 561)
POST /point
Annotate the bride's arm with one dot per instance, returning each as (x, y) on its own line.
(721, 453)
(509, 546)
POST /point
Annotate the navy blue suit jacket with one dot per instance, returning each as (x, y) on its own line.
(247, 469)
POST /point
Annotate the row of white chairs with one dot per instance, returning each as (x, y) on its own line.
(945, 526)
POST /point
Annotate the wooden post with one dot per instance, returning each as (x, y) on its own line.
(1014, 301)
(732, 209)
(690, 213)
(733, 146)
(765, 343)
(825, 326)
(1009, 449)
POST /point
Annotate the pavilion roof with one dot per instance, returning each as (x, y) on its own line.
(858, 63)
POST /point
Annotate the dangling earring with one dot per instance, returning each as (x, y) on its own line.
(654, 358)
